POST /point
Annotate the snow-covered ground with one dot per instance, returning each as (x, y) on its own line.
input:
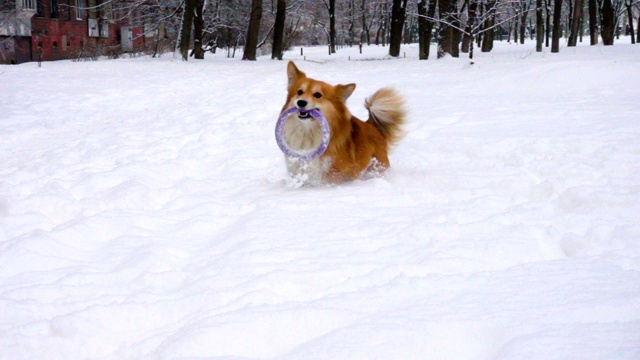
(145, 212)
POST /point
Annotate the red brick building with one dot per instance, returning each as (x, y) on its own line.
(32, 30)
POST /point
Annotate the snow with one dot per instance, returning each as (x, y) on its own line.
(146, 213)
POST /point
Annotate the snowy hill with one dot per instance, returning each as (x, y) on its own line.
(145, 212)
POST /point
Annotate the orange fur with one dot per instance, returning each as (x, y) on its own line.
(355, 146)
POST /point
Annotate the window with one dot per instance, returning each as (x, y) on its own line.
(80, 8)
(29, 4)
(54, 8)
(107, 11)
(40, 10)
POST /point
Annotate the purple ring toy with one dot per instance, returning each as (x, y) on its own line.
(305, 155)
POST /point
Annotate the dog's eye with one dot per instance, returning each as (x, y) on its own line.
(300, 92)
(317, 95)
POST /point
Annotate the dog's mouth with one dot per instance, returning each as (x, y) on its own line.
(304, 115)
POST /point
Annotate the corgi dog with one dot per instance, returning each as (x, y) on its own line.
(356, 148)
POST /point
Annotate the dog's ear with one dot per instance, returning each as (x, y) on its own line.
(293, 74)
(344, 91)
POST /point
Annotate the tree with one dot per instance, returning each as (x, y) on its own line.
(593, 22)
(524, 7)
(365, 27)
(251, 44)
(630, 17)
(351, 16)
(397, 24)
(446, 34)
(383, 19)
(426, 12)
(458, 25)
(331, 7)
(469, 36)
(455, 29)
(547, 33)
(185, 32)
(198, 28)
(490, 22)
(575, 23)
(278, 32)
(608, 22)
(539, 26)
(555, 39)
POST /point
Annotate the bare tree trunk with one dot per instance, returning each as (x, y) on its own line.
(523, 25)
(431, 13)
(539, 26)
(582, 19)
(425, 26)
(365, 29)
(445, 34)
(555, 39)
(593, 21)
(515, 29)
(487, 38)
(156, 41)
(251, 43)
(278, 32)
(185, 31)
(397, 24)
(638, 34)
(532, 30)
(198, 27)
(409, 29)
(548, 22)
(630, 16)
(608, 22)
(350, 32)
(382, 27)
(423, 45)
(575, 23)
(332, 26)
(468, 37)
(455, 32)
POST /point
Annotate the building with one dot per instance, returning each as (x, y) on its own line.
(34, 30)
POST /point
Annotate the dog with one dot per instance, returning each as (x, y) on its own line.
(357, 149)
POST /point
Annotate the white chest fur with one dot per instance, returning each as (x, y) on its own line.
(302, 134)
(305, 135)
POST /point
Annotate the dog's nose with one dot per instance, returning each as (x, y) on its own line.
(301, 103)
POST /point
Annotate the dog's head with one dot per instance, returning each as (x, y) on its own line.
(306, 94)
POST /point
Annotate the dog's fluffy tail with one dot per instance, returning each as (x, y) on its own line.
(387, 114)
